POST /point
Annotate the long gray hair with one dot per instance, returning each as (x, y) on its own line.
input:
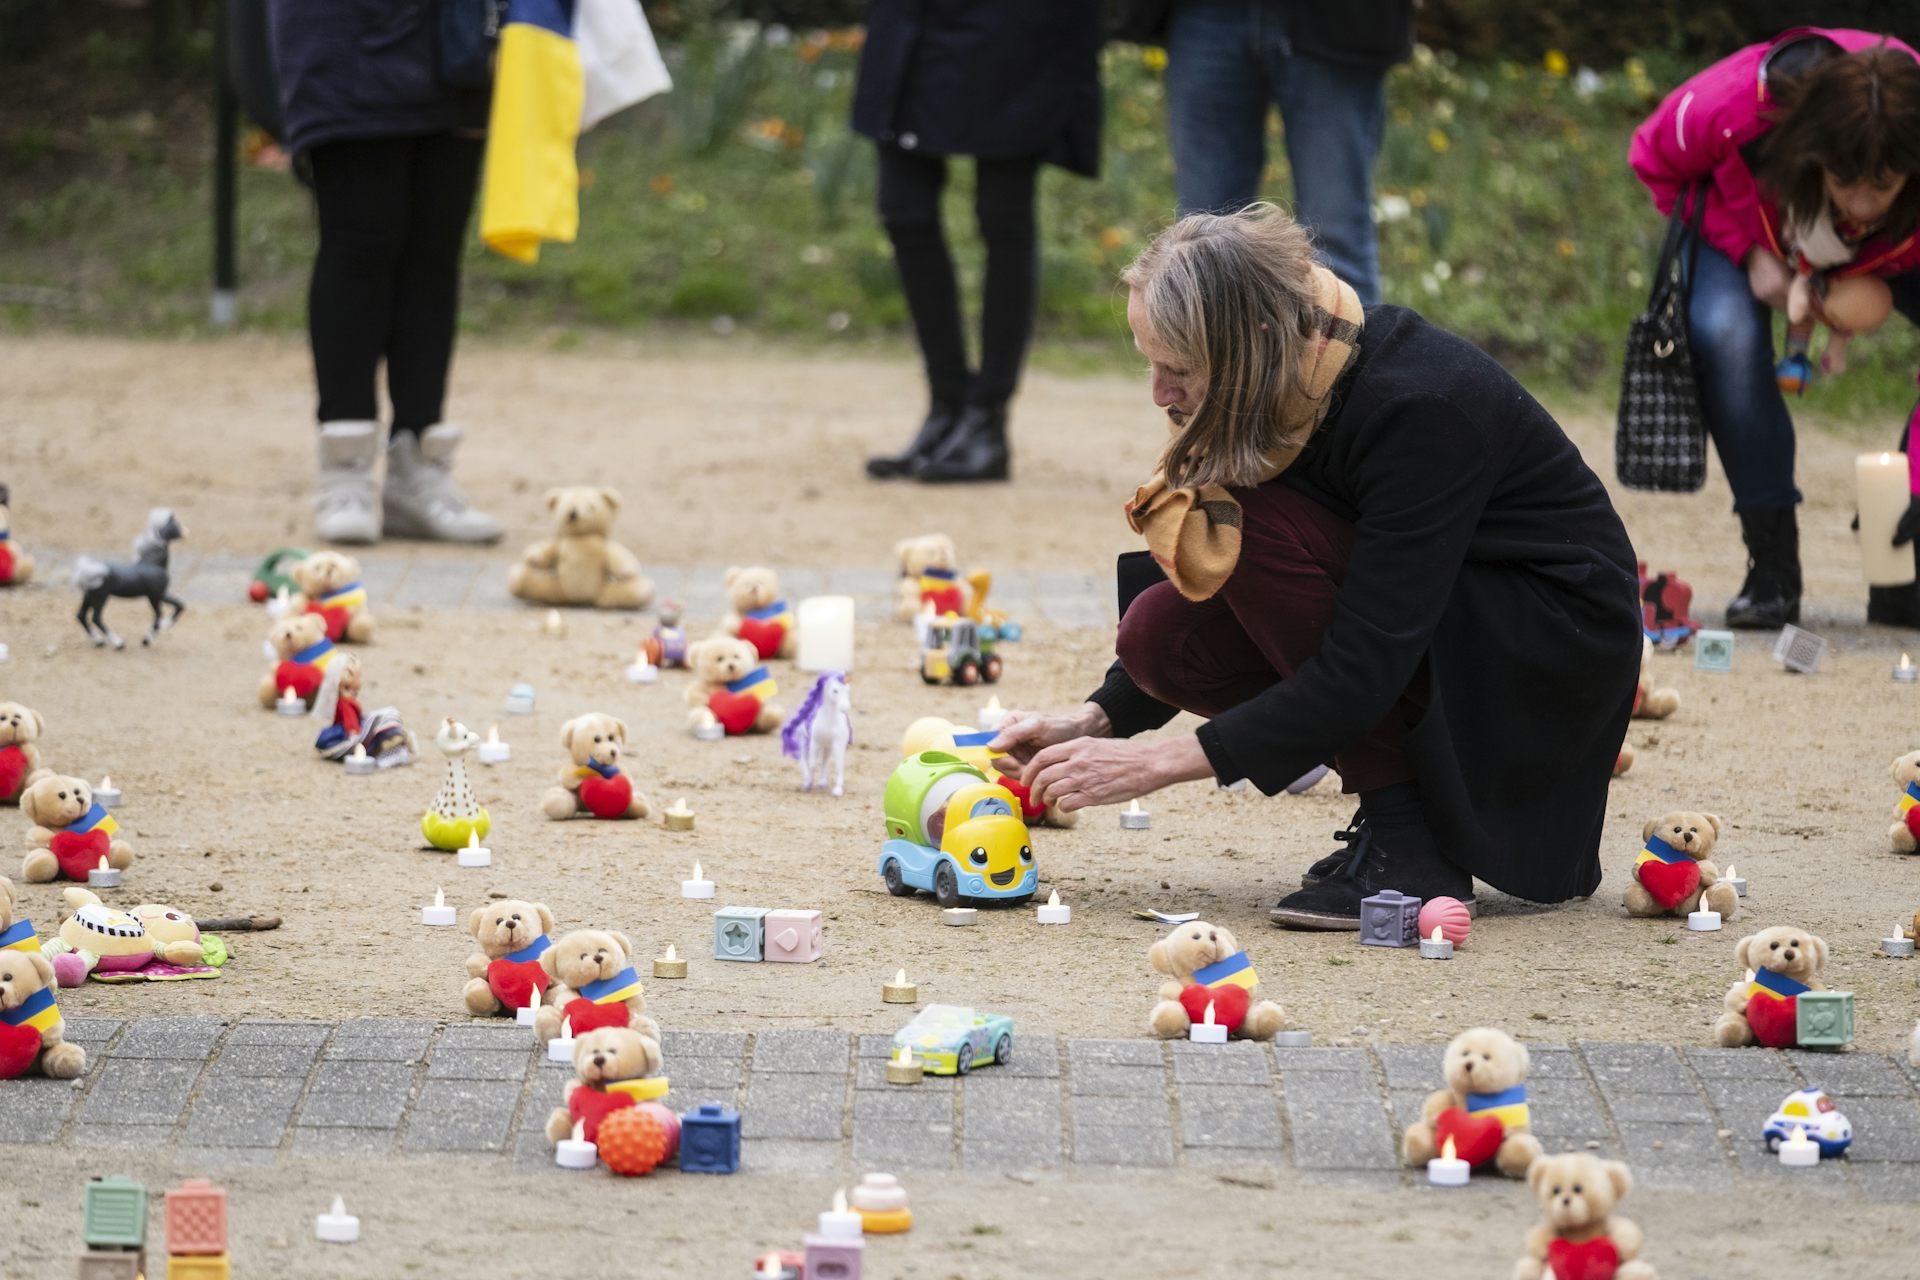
(1231, 296)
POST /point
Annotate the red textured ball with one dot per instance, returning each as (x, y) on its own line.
(632, 1142)
(257, 591)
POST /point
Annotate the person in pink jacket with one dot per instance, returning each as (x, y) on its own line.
(1815, 134)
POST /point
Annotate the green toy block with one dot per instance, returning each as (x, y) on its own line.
(738, 933)
(116, 1213)
(1824, 1019)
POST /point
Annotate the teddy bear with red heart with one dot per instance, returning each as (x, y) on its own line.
(31, 1030)
(71, 834)
(1483, 1109)
(731, 685)
(1904, 835)
(594, 783)
(760, 615)
(20, 764)
(1674, 873)
(593, 985)
(603, 1061)
(505, 975)
(1581, 1238)
(1781, 963)
(1205, 966)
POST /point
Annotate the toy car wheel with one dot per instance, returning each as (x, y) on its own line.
(895, 885)
(992, 669)
(963, 1060)
(946, 886)
(1003, 1050)
(968, 672)
(927, 679)
(1773, 1142)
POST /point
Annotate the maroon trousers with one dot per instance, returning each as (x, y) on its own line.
(1260, 627)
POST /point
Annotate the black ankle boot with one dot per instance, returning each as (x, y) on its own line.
(977, 449)
(939, 424)
(1770, 597)
(1388, 847)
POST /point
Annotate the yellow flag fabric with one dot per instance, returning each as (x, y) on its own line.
(531, 190)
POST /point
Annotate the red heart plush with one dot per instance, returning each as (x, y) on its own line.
(1594, 1259)
(1913, 822)
(6, 563)
(1229, 1002)
(336, 620)
(945, 600)
(1669, 883)
(587, 1016)
(764, 635)
(80, 852)
(590, 1106)
(301, 677)
(606, 797)
(515, 981)
(1028, 809)
(737, 712)
(19, 1046)
(13, 772)
(1775, 1019)
(1476, 1139)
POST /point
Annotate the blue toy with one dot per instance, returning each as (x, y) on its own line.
(954, 834)
(738, 933)
(950, 1040)
(710, 1139)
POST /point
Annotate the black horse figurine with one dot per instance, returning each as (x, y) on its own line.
(147, 576)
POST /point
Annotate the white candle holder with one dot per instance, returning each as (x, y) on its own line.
(104, 878)
(526, 1015)
(359, 764)
(520, 700)
(440, 914)
(1904, 672)
(290, 704)
(1703, 920)
(1436, 948)
(475, 854)
(1134, 818)
(1899, 946)
(560, 1048)
(699, 888)
(1053, 911)
(494, 751)
(1446, 1171)
(709, 730)
(337, 1227)
(641, 671)
(960, 917)
(106, 794)
(1799, 1153)
(575, 1152)
(1739, 883)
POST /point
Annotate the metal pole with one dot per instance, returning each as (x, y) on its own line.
(226, 129)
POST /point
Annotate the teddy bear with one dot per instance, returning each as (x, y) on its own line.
(593, 783)
(505, 974)
(20, 767)
(1581, 1239)
(1650, 703)
(70, 834)
(1673, 873)
(932, 733)
(929, 574)
(1483, 1109)
(759, 615)
(31, 1030)
(603, 1061)
(1763, 1007)
(16, 566)
(1207, 967)
(330, 587)
(730, 683)
(580, 564)
(593, 986)
(1904, 834)
(299, 642)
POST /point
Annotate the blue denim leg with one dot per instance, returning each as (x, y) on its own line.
(1217, 100)
(1732, 336)
(1333, 117)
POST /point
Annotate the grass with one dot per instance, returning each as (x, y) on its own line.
(740, 204)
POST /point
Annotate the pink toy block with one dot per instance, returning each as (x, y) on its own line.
(792, 937)
(196, 1218)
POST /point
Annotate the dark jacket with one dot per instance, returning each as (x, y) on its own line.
(995, 78)
(1363, 33)
(1486, 547)
(364, 69)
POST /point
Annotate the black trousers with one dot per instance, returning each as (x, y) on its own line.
(910, 187)
(386, 282)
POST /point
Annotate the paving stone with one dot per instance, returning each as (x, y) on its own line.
(1341, 1086)
(873, 583)
(1740, 1064)
(1037, 1150)
(233, 1095)
(1033, 1058)
(689, 1073)
(140, 1092)
(1885, 1130)
(403, 1048)
(1894, 1182)
(794, 1106)
(494, 1036)
(1112, 1080)
(126, 1137)
(458, 1131)
(1678, 1108)
(435, 584)
(1137, 1146)
(902, 1105)
(40, 1124)
(364, 1077)
(703, 1044)
(383, 1028)
(871, 1073)
(91, 1030)
(1553, 1062)
(872, 1046)
(470, 1096)
(267, 1059)
(353, 1110)
(1605, 1146)
(342, 1142)
(236, 1157)
(1229, 1116)
(902, 1146)
(273, 1032)
(1753, 1160)
(1323, 1147)
(1407, 1105)
(1116, 1112)
(170, 1038)
(788, 1155)
(791, 1049)
(1643, 1068)
(1569, 1119)
(1238, 1062)
(1114, 1053)
(1411, 1066)
(1010, 1098)
(254, 1129)
(1318, 1059)
(1233, 1157)
(476, 1064)
(1852, 1075)
(1676, 1155)
(1736, 1100)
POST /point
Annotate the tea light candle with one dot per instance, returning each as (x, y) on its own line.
(669, 964)
(1738, 881)
(291, 703)
(642, 671)
(1898, 944)
(899, 991)
(1207, 1031)
(992, 716)
(922, 623)
(527, 1014)
(439, 914)
(339, 1226)
(1799, 1152)
(475, 854)
(840, 1222)
(1904, 671)
(1294, 1039)
(960, 917)
(1446, 1170)
(904, 1068)
(520, 699)
(1437, 947)
(359, 764)
(777, 1267)
(277, 607)
(1134, 818)
(1054, 911)
(560, 1048)
(494, 751)
(678, 816)
(707, 729)
(106, 794)
(699, 887)
(1703, 920)
(553, 624)
(1883, 492)
(576, 1152)
(104, 876)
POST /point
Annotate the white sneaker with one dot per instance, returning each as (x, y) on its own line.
(345, 504)
(420, 498)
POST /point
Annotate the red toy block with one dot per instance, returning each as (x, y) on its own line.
(196, 1218)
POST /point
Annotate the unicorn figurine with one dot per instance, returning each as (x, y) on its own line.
(821, 728)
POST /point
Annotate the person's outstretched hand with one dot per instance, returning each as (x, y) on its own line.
(1025, 733)
(1066, 759)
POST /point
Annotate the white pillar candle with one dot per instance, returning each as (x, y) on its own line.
(440, 914)
(5, 653)
(337, 1227)
(1881, 491)
(1207, 1031)
(1134, 818)
(104, 876)
(923, 623)
(825, 625)
(699, 887)
(1445, 1170)
(1053, 911)
(1798, 1152)
(1294, 1039)
(1437, 947)
(106, 794)
(560, 1048)
(475, 854)
(576, 1152)
(840, 1222)
(359, 764)
(494, 751)
(1703, 919)
(291, 703)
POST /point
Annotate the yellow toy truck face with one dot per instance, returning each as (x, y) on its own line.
(986, 835)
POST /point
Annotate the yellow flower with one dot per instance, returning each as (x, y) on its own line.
(1556, 63)
(1438, 140)
(1565, 248)
(1154, 57)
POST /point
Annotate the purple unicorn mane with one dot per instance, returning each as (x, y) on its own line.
(797, 734)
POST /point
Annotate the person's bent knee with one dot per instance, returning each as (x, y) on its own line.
(1143, 645)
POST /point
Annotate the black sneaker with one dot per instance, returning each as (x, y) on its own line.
(1336, 862)
(1334, 903)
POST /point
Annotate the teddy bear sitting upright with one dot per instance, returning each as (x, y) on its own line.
(20, 765)
(594, 986)
(730, 683)
(604, 1061)
(581, 564)
(759, 614)
(1763, 1008)
(1674, 874)
(1581, 1239)
(31, 1030)
(1207, 967)
(330, 587)
(929, 575)
(1904, 835)
(1483, 1109)
(1650, 703)
(303, 653)
(594, 783)
(71, 834)
(505, 974)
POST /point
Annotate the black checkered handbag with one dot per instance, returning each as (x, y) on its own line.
(1660, 442)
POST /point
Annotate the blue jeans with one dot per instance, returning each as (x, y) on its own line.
(1733, 359)
(1227, 62)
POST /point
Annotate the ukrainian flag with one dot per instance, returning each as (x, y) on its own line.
(19, 936)
(1774, 984)
(1658, 850)
(1909, 798)
(351, 596)
(623, 985)
(651, 1089)
(1235, 971)
(316, 655)
(531, 191)
(95, 819)
(1509, 1106)
(775, 612)
(756, 683)
(37, 1011)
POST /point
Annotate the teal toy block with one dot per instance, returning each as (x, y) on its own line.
(739, 933)
(1713, 651)
(115, 1213)
(1823, 1019)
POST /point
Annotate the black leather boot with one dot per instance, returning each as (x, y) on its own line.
(1896, 606)
(1770, 597)
(976, 451)
(939, 424)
